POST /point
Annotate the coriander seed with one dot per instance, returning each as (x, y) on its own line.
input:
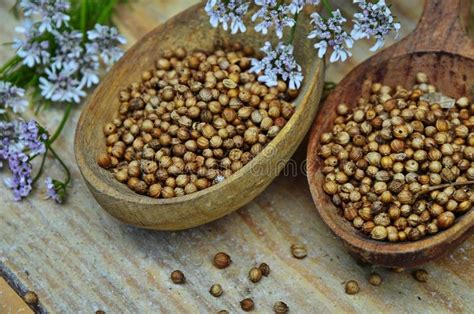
(255, 274)
(264, 269)
(222, 260)
(247, 304)
(352, 287)
(421, 275)
(31, 298)
(280, 307)
(216, 290)
(177, 277)
(299, 251)
(375, 279)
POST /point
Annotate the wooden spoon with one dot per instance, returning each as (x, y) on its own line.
(190, 29)
(439, 47)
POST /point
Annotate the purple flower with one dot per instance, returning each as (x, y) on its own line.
(331, 35)
(230, 12)
(19, 142)
(52, 13)
(278, 64)
(374, 20)
(54, 190)
(12, 97)
(105, 41)
(20, 181)
(272, 13)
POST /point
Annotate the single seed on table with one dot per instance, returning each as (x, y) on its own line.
(223, 312)
(421, 275)
(265, 269)
(352, 287)
(299, 251)
(31, 297)
(177, 277)
(247, 304)
(375, 279)
(99, 312)
(255, 274)
(222, 260)
(280, 307)
(216, 290)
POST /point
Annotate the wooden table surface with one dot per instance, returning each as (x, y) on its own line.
(79, 259)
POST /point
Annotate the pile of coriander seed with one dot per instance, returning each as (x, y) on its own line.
(193, 121)
(400, 163)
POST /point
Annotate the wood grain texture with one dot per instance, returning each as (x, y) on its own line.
(10, 301)
(78, 258)
(440, 48)
(191, 27)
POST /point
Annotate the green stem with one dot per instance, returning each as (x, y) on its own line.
(12, 62)
(40, 171)
(56, 134)
(293, 29)
(66, 169)
(84, 19)
(328, 7)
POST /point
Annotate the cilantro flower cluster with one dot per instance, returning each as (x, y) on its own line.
(373, 20)
(67, 61)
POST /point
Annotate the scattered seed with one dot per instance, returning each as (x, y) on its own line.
(255, 274)
(31, 297)
(421, 275)
(352, 287)
(216, 290)
(299, 251)
(222, 260)
(177, 277)
(280, 307)
(375, 279)
(265, 269)
(247, 304)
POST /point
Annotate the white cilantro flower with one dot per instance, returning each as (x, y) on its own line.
(229, 13)
(297, 5)
(105, 41)
(62, 85)
(52, 13)
(32, 51)
(278, 63)
(331, 35)
(374, 20)
(273, 13)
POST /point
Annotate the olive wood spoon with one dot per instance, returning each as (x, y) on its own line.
(190, 29)
(439, 46)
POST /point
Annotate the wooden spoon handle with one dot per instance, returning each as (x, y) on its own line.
(443, 27)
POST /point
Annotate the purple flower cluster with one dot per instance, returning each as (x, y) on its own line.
(19, 142)
(12, 97)
(54, 190)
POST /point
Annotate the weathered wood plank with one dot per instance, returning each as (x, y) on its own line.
(77, 258)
